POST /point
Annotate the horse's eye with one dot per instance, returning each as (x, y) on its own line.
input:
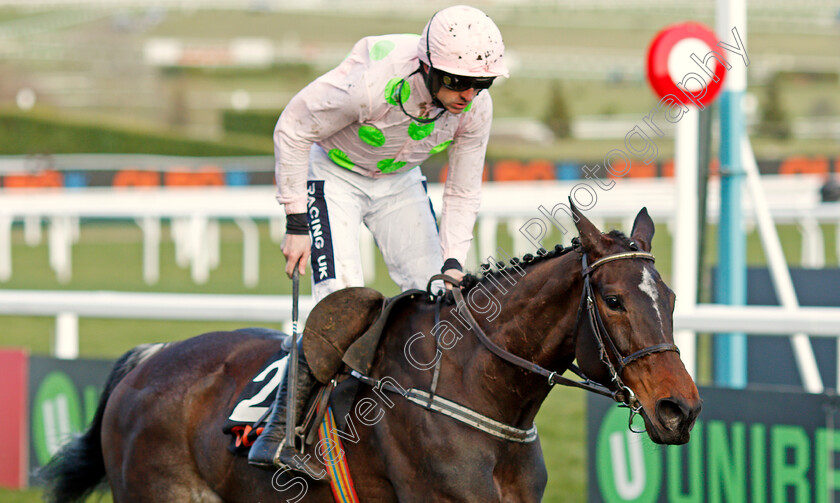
(613, 302)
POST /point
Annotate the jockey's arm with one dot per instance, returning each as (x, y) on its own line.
(462, 189)
(319, 110)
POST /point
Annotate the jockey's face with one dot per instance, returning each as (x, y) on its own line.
(456, 101)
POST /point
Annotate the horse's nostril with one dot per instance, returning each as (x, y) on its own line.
(671, 412)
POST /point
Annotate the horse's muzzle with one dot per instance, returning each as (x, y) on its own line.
(676, 418)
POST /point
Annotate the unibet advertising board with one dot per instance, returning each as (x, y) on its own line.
(63, 396)
(749, 446)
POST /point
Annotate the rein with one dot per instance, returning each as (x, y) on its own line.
(553, 377)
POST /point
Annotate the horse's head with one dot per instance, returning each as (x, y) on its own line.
(635, 308)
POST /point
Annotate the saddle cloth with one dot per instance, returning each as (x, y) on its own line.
(245, 420)
(248, 414)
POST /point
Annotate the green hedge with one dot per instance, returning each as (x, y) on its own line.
(252, 122)
(37, 133)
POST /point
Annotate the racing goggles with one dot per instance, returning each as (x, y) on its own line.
(460, 83)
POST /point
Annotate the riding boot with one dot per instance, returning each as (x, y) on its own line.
(288, 455)
(267, 444)
(270, 450)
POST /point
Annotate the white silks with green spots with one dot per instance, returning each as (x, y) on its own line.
(397, 211)
(353, 114)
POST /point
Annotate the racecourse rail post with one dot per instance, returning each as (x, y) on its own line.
(731, 281)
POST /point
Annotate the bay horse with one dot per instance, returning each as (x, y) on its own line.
(157, 433)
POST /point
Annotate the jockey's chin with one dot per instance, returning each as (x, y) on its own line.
(456, 101)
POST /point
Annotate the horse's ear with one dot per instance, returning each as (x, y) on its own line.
(590, 237)
(643, 230)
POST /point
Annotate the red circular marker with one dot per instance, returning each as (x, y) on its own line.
(670, 63)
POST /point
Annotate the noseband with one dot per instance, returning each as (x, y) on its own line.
(588, 308)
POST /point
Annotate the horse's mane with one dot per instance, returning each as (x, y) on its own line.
(495, 270)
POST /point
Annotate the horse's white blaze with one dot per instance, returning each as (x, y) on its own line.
(648, 286)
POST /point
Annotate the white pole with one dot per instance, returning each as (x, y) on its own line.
(684, 267)
(151, 248)
(813, 245)
(521, 245)
(277, 228)
(199, 253)
(60, 247)
(180, 228)
(32, 230)
(250, 251)
(487, 228)
(5, 247)
(779, 271)
(213, 243)
(67, 335)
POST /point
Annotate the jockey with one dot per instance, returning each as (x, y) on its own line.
(347, 151)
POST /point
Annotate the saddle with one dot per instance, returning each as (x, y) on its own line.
(345, 328)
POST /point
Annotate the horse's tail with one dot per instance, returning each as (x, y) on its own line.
(78, 468)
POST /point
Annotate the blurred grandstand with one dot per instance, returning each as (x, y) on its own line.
(178, 62)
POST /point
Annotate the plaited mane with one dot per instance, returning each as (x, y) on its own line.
(470, 281)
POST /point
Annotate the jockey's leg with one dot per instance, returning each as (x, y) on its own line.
(270, 449)
(336, 200)
(403, 223)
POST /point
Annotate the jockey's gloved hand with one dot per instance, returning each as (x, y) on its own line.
(452, 268)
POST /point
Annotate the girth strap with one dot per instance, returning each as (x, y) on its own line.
(456, 411)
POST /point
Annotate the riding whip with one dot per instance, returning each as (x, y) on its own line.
(293, 363)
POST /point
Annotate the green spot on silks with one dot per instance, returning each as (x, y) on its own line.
(372, 136)
(340, 158)
(381, 49)
(391, 90)
(417, 131)
(467, 108)
(440, 148)
(389, 165)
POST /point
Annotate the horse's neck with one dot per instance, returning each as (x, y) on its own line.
(535, 320)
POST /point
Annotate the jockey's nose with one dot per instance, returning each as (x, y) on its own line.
(469, 94)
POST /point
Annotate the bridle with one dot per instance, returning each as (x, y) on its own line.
(588, 308)
(625, 395)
